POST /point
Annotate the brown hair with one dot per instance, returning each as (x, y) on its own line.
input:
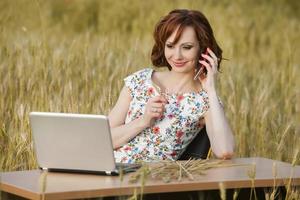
(182, 18)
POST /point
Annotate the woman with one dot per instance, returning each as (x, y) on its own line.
(158, 113)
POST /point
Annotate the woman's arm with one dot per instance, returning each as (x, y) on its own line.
(218, 129)
(121, 132)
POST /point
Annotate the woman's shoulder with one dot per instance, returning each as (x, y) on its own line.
(138, 78)
(141, 74)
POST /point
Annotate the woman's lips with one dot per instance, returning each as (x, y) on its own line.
(179, 64)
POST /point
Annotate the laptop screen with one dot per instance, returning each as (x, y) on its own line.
(72, 141)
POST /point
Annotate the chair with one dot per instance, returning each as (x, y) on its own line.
(199, 148)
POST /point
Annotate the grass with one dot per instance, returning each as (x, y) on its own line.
(72, 56)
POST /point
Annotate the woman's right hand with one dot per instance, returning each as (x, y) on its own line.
(155, 108)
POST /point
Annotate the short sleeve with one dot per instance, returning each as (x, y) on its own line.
(203, 104)
(131, 83)
(136, 81)
(204, 100)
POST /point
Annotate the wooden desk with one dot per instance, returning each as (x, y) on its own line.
(28, 184)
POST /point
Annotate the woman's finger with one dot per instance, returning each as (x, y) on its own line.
(211, 61)
(163, 99)
(213, 55)
(206, 65)
(155, 114)
(157, 105)
(154, 99)
(159, 98)
(215, 59)
(156, 110)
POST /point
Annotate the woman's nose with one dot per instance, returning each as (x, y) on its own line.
(178, 54)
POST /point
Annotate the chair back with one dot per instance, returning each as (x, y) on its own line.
(199, 148)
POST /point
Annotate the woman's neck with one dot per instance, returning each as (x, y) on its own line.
(176, 82)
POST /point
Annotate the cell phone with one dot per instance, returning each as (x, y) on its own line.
(200, 67)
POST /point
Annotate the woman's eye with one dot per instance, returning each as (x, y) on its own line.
(169, 45)
(187, 47)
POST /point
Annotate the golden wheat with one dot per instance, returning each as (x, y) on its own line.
(72, 56)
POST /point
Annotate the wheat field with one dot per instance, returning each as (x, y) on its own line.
(72, 56)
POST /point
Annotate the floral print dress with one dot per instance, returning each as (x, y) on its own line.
(169, 135)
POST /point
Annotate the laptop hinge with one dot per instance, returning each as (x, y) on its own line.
(112, 173)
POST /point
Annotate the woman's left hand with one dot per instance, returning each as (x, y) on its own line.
(210, 62)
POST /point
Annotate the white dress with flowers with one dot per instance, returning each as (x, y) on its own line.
(170, 135)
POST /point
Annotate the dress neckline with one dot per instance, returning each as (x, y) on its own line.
(158, 90)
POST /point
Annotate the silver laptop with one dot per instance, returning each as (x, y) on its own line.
(65, 142)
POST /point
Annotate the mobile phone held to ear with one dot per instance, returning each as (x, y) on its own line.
(201, 69)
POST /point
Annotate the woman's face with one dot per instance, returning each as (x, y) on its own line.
(182, 56)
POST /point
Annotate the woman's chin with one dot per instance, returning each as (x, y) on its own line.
(183, 69)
